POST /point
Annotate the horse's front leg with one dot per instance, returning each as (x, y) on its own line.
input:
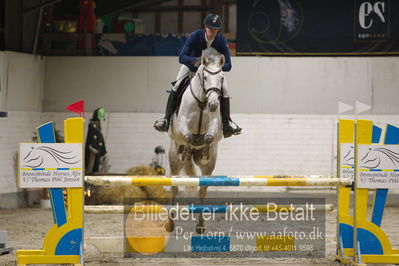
(183, 128)
(209, 138)
(213, 127)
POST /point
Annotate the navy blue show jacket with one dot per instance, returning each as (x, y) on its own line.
(194, 45)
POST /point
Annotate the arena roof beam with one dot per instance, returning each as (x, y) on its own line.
(45, 4)
(174, 8)
(105, 7)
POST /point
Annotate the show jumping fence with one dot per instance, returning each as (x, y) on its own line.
(359, 240)
(214, 181)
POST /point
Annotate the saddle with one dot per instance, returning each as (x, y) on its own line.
(180, 91)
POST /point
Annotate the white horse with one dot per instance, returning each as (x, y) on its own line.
(196, 128)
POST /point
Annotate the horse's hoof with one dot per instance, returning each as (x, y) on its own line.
(208, 139)
(188, 138)
(200, 229)
(181, 149)
(184, 158)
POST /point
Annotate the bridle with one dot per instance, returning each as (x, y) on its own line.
(206, 92)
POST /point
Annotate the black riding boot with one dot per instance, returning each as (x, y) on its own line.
(228, 130)
(163, 123)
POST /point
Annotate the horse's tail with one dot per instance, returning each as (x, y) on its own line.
(189, 169)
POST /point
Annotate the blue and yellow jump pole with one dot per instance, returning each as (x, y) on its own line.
(212, 181)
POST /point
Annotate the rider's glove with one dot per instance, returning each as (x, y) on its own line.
(197, 62)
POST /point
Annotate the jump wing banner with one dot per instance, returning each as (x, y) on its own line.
(378, 166)
(50, 165)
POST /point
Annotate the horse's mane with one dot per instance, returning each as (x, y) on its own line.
(211, 54)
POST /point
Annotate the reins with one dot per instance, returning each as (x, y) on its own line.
(201, 104)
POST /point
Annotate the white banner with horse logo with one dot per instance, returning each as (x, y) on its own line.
(347, 161)
(378, 166)
(50, 165)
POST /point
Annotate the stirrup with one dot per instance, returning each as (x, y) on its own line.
(237, 130)
(162, 125)
(229, 131)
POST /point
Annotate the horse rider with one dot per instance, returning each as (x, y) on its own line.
(190, 57)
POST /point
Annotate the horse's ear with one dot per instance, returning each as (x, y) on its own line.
(204, 60)
(221, 62)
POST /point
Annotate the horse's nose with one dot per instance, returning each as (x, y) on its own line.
(213, 106)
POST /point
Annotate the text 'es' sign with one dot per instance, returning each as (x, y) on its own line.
(50, 165)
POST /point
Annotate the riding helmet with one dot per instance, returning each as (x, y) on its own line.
(213, 21)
